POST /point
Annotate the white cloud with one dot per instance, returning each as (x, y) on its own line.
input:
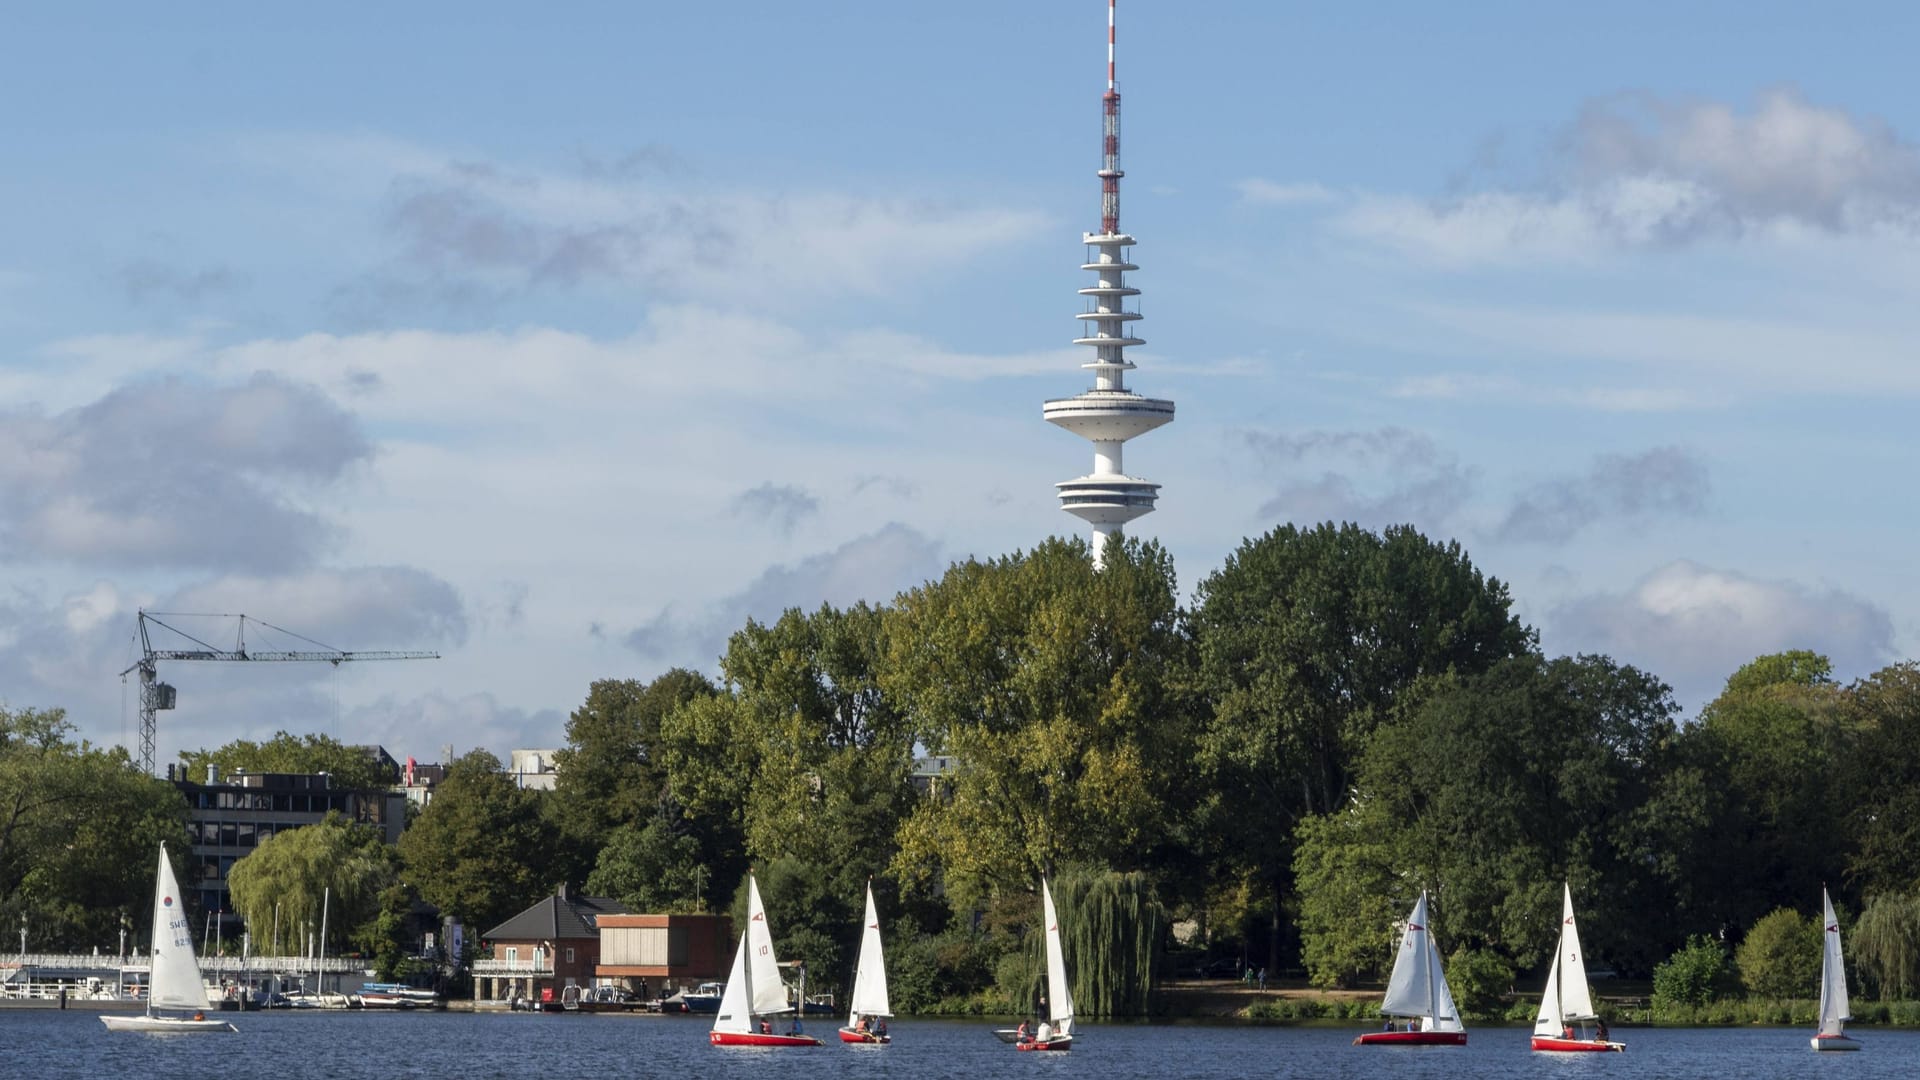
(1664, 482)
(1372, 478)
(1693, 625)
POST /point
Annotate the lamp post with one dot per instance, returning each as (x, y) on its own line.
(23, 936)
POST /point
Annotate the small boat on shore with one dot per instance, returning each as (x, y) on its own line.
(1417, 993)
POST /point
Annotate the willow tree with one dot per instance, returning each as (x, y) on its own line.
(1112, 929)
(1885, 944)
(335, 869)
(1046, 683)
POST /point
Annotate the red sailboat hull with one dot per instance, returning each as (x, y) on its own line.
(1574, 1046)
(1058, 1042)
(849, 1035)
(735, 1038)
(1412, 1038)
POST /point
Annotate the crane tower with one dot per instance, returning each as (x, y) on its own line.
(1108, 414)
(156, 695)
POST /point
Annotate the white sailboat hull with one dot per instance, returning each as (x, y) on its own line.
(178, 1024)
(1835, 1042)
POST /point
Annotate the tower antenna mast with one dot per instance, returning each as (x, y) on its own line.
(1108, 414)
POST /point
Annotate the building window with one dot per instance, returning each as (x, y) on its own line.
(569, 954)
(513, 955)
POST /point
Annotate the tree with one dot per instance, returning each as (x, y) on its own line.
(1780, 956)
(1304, 641)
(79, 826)
(479, 850)
(1885, 944)
(610, 772)
(350, 767)
(1490, 791)
(653, 868)
(1111, 934)
(336, 869)
(1883, 786)
(1688, 978)
(1048, 683)
(1351, 894)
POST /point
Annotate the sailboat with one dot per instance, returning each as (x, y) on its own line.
(754, 988)
(1056, 1031)
(1417, 990)
(1834, 1013)
(1567, 1021)
(174, 986)
(869, 986)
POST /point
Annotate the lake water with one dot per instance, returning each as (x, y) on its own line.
(384, 1046)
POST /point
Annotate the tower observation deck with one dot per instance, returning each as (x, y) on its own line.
(1108, 414)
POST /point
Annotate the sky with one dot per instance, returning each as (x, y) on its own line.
(563, 340)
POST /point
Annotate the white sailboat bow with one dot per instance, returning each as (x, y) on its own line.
(1418, 985)
(870, 974)
(174, 984)
(1059, 997)
(1834, 1009)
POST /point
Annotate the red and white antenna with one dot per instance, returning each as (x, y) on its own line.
(1110, 173)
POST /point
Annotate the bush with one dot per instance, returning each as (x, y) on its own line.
(1688, 978)
(1780, 957)
(1480, 980)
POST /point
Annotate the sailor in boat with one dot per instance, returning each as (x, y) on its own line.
(1599, 1030)
(1020, 1033)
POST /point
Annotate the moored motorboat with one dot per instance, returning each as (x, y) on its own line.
(1417, 993)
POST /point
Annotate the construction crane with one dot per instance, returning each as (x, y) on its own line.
(156, 695)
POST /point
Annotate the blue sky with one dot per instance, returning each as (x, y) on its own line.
(562, 341)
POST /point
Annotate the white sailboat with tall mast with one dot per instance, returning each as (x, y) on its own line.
(1056, 1031)
(1417, 992)
(865, 1023)
(1566, 1021)
(176, 995)
(1834, 1010)
(755, 990)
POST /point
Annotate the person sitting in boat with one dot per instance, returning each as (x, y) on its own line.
(860, 1025)
(1044, 1032)
(766, 1027)
(1600, 1030)
(199, 1016)
(879, 1027)
(1020, 1032)
(1413, 1023)
(1566, 1031)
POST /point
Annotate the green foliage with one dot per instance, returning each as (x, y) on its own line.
(1111, 933)
(1049, 683)
(1306, 640)
(610, 772)
(383, 937)
(1481, 980)
(282, 885)
(79, 828)
(1780, 956)
(1350, 894)
(1885, 944)
(655, 868)
(479, 851)
(1883, 792)
(1690, 976)
(350, 767)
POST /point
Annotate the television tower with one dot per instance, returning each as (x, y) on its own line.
(1108, 414)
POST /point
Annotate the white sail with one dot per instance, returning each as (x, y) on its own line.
(1566, 999)
(1410, 987)
(1444, 1017)
(736, 1006)
(769, 992)
(175, 980)
(1059, 998)
(1834, 1011)
(870, 974)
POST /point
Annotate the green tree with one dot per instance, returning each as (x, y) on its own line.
(479, 849)
(1351, 894)
(654, 868)
(1480, 979)
(610, 772)
(79, 826)
(1885, 944)
(1780, 956)
(1048, 683)
(1882, 789)
(335, 868)
(1112, 930)
(1305, 640)
(350, 767)
(1688, 978)
(1491, 790)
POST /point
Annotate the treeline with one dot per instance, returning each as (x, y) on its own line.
(1340, 719)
